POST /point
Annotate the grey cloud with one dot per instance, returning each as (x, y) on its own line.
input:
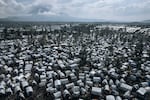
(10, 8)
(2, 3)
(137, 8)
(94, 9)
(39, 9)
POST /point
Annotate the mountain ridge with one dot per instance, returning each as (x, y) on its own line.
(53, 18)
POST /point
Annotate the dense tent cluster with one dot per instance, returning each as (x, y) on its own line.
(74, 62)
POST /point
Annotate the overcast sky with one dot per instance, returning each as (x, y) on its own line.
(117, 10)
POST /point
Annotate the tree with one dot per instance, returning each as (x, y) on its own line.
(5, 31)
